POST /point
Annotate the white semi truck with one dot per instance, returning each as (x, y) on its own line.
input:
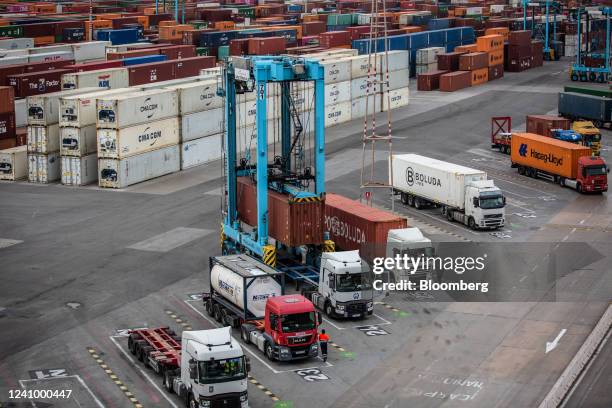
(205, 368)
(464, 194)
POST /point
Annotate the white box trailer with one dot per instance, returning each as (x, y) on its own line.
(44, 109)
(198, 96)
(77, 142)
(124, 47)
(133, 108)
(43, 168)
(101, 78)
(14, 163)
(17, 43)
(79, 171)
(130, 141)
(120, 173)
(91, 50)
(201, 124)
(80, 110)
(464, 194)
(200, 151)
(43, 139)
(50, 56)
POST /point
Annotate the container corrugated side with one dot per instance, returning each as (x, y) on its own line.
(78, 141)
(198, 96)
(129, 141)
(337, 113)
(200, 151)
(87, 51)
(115, 173)
(43, 139)
(14, 163)
(107, 78)
(44, 109)
(79, 171)
(43, 168)
(200, 124)
(397, 98)
(337, 92)
(125, 110)
(80, 110)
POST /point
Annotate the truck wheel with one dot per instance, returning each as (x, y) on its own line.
(269, 352)
(579, 188)
(328, 309)
(404, 198)
(418, 204)
(598, 123)
(562, 182)
(209, 308)
(217, 313)
(449, 215)
(132, 345)
(574, 77)
(472, 223)
(410, 200)
(168, 380)
(521, 170)
(245, 335)
(191, 402)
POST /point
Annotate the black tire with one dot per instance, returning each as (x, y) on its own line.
(449, 215)
(269, 351)
(132, 345)
(411, 199)
(404, 198)
(168, 380)
(598, 123)
(579, 188)
(191, 402)
(418, 203)
(245, 335)
(472, 223)
(328, 310)
(521, 170)
(209, 308)
(217, 313)
(592, 76)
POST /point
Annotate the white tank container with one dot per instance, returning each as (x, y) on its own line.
(44, 109)
(104, 78)
(43, 168)
(79, 171)
(133, 108)
(198, 96)
(14, 163)
(200, 151)
(120, 173)
(43, 139)
(229, 284)
(80, 110)
(78, 142)
(201, 124)
(130, 141)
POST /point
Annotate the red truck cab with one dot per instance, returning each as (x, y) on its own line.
(291, 322)
(592, 174)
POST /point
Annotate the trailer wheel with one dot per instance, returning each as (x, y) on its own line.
(404, 198)
(269, 352)
(410, 200)
(449, 215)
(217, 313)
(592, 76)
(472, 223)
(562, 182)
(521, 170)
(168, 380)
(132, 345)
(144, 352)
(245, 335)
(598, 123)
(328, 309)
(574, 77)
(418, 204)
(209, 308)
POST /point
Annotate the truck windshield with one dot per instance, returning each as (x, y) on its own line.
(298, 322)
(488, 202)
(215, 371)
(596, 170)
(353, 282)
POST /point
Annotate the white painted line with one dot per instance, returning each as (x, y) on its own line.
(550, 346)
(565, 238)
(440, 219)
(382, 318)
(131, 360)
(523, 278)
(330, 322)
(170, 240)
(5, 242)
(79, 379)
(582, 221)
(214, 323)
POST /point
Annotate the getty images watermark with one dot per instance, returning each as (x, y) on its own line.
(406, 266)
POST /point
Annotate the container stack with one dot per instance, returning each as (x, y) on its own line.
(201, 113)
(427, 59)
(519, 53)
(14, 163)
(8, 131)
(137, 137)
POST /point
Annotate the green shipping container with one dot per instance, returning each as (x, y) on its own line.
(339, 19)
(11, 31)
(199, 24)
(223, 52)
(594, 90)
(201, 51)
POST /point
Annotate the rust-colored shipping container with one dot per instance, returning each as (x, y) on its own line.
(353, 225)
(521, 37)
(466, 48)
(547, 154)
(519, 51)
(496, 72)
(491, 42)
(239, 47)
(7, 70)
(496, 57)
(96, 65)
(8, 143)
(503, 31)
(36, 83)
(7, 125)
(480, 76)
(315, 28)
(178, 51)
(542, 124)
(149, 73)
(537, 53)
(449, 61)
(473, 60)
(187, 67)
(292, 223)
(7, 99)
(267, 45)
(454, 81)
(429, 81)
(333, 39)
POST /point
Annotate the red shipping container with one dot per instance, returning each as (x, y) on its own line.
(154, 19)
(429, 81)
(113, 56)
(449, 61)
(353, 225)
(289, 222)
(7, 125)
(7, 70)
(216, 14)
(178, 51)
(267, 45)
(496, 72)
(313, 28)
(7, 99)
(454, 81)
(239, 47)
(118, 23)
(333, 39)
(188, 67)
(36, 83)
(149, 73)
(543, 124)
(473, 61)
(95, 65)
(38, 30)
(522, 37)
(356, 31)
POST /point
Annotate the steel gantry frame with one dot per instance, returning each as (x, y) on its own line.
(579, 71)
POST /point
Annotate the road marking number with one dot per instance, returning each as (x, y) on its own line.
(372, 330)
(312, 375)
(48, 373)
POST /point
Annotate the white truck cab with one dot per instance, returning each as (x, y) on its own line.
(410, 242)
(345, 285)
(213, 369)
(484, 203)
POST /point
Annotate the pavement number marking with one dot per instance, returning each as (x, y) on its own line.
(525, 215)
(194, 296)
(312, 375)
(96, 356)
(48, 373)
(372, 330)
(501, 234)
(265, 390)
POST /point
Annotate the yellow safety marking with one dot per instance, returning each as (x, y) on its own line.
(114, 377)
(264, 389)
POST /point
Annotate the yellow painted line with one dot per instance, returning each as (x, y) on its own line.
(114, 378)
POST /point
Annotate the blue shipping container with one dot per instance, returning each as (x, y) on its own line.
(438, 23)
(217, 39)
(118, 37)
(145, 59)
(73, 34)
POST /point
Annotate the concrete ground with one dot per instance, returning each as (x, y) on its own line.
(81, 265)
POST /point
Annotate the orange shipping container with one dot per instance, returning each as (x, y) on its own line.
(144, 21)
(224, 25)
(49, 39)
(411, 29)
(466, 48)
(480, 76)
(503, 31)
(149, 11)
(496, 57)
(547, 154)
(167, 23)
(108, 16)
(490, 42)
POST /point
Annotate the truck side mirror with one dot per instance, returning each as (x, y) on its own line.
(475, 201)
(319, 317)
(193, 369)
(248, 364)
(504, 200)
(332, 282)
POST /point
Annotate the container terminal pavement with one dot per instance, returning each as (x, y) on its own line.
(157, 275)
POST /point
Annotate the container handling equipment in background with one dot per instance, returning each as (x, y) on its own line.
(289, 183)
(579, 71)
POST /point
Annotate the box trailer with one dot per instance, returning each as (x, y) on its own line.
(597, 109)
(464, 194)
(565, 163)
